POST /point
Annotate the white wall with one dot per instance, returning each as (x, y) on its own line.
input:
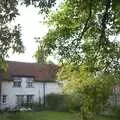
(52, 88)
(37, 90)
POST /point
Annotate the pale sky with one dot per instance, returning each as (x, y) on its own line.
(31, 27)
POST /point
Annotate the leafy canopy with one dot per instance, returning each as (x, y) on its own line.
(10, 35)
(82, 31)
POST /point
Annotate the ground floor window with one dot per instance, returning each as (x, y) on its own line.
(29, 98)
(20, 100)
(4, 99)
(24, 99)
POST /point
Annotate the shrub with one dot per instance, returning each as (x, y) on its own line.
(37, 106)
(73, 102)
(56, 102)
(29, 106)
(60, 102)
(7, 109)
(116, 111)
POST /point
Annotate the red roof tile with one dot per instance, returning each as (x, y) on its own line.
(45, 72)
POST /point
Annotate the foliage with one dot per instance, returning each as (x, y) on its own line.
(83, 33)
(44, 5)
(92, 90)
(10, 36)
(56, 102)
(63, 102)
(116, 111)
(73, 102)
(40, 55)
(35, 106)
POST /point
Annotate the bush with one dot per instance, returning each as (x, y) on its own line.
(56, 102)
(37, 106)
(73, 102)
(7, 109)
(116, 111)
(30, 106)
(60, 102)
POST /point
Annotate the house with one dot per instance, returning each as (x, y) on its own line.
(27, 83)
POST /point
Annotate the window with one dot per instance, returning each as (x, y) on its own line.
(4, 99)
(29, 99)
(20, 100)
(17, 82)
(29, 82)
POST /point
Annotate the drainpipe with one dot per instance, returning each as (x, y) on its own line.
(44, 94)
(39, 99)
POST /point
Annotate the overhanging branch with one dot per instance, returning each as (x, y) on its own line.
(103, 40)
(86, 24)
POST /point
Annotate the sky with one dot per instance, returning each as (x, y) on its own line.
(32, 27)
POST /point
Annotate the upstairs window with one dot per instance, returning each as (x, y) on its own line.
(29, 82)
(17, 82)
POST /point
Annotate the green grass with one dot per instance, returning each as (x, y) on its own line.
(44, 115)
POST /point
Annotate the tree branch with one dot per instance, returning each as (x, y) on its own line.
(103, 40)
(86, 24)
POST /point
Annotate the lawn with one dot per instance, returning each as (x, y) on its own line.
(44, 115)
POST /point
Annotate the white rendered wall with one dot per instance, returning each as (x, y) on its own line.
(52, 88)
(37, 90)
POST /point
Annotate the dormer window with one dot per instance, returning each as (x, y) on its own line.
(17, 82)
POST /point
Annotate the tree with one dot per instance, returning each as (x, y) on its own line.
(40, 54)
(44, 5)
(10, 36)
(81, 33)
(91, 91)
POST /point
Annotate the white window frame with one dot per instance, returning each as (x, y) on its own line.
(29, 82)
(17, 82)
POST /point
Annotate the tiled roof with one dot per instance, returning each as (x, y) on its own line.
(41, 72)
